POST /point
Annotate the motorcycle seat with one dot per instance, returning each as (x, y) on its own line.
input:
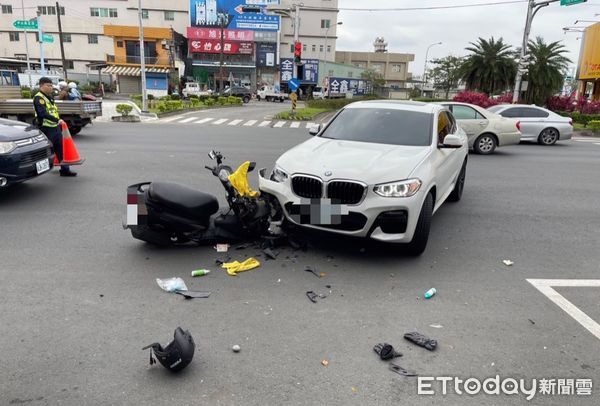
(184, 201)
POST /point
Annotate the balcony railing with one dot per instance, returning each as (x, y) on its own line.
(136, 60)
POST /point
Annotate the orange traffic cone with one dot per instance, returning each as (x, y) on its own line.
(70, 153)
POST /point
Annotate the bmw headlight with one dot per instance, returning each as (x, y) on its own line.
(278, 175)
(403, 188)
(7, 147)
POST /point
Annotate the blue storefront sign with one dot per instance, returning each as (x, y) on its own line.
(310, 68)
(265, 54)
(213, 13)
(340, 86)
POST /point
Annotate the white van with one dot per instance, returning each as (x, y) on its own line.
(319, 93)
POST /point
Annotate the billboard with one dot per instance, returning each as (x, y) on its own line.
(265, 54)
(215, 33)
(310, 70)
(214, 47)
(213, 13)
(589, 67)
(341, 86)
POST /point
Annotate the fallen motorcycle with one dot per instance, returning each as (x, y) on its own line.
(165, 213)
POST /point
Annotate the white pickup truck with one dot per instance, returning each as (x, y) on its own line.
(194, 89)
(269, 93)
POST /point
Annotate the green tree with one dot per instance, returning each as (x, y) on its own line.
(375, 78)
(447, 73)
(547, 68)
(490, 67)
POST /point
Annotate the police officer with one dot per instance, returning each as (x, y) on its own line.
(48, 121)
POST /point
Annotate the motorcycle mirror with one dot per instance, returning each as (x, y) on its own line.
(251, 166)
(212, 155)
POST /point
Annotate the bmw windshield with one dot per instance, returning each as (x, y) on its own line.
(381, 126)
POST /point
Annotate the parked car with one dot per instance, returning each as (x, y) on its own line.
(319, 93)
(486, 131)
(24, 152)
(537, 123)
(195, 89)
(270, 93)
(238, 91)
(378, 169)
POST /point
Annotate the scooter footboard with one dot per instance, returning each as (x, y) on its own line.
(137, 211)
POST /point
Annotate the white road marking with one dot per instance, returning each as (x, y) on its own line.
(295, 124)
(546, 287)
(168, 120)
(235, 122)
(204, 120)
(310, 124)
(279, 124)
(220, 121)
(264, 123)
(187, 120)
(249, 123)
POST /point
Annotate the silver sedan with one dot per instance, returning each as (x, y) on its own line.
(537, 124)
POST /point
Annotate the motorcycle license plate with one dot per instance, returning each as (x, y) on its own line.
(42, 166)
(318, 212)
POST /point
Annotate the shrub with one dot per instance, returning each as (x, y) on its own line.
(124, 109)
(174, 105)
(561, 103)
(594, 125)
(192, 97)
(222, 100)
(234, 100)
(196, 103)
(476, 98)
(334, 104)
(26, 93)
(150, 96)
(209, 101)
(175, 97)
(591, 107)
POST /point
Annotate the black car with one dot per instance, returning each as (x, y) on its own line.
(238, 91)
(24, 152)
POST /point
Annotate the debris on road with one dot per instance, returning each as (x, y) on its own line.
(386, 351)
(400, 370)
(436, 325)
(200, 272)
(430, 293)
(507, 262)
(314, 272)
(531, 321)
(177, 354)
(192, 294)
(421, 340)
(222, 247)
(312, 296)
(171, 284)
(236, 348)
(325, 363)
(270, 254)
(235, 267)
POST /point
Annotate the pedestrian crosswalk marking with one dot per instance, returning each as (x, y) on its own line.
(250, 123)
(279, 124)
(264, 123)
(235, 122)
(187, 120)
(168, 120)
(310, 124)
(220, 121)
(204, 120)
(295, 124)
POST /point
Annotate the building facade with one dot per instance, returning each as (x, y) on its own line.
(394, 67)
(588, 69)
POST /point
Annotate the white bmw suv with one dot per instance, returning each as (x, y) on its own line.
(379, 169)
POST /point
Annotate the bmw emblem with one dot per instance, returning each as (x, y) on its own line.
(328, 173)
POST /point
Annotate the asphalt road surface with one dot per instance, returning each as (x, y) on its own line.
(79, 297)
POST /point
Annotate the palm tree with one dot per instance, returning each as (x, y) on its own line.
(546, 70)
(490, 67)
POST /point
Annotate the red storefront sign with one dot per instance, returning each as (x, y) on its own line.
(215, 33)
(214, 47)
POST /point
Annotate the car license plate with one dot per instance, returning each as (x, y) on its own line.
(42, 166)
(318, 212)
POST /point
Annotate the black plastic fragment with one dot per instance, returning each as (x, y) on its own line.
(421, 340)
(190, 294)
(313, 271)
(312, 296)
(386, 351)
(400, 370)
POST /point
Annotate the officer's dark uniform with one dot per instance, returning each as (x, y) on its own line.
(47, 118)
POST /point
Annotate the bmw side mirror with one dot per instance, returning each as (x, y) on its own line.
(314, 130)
(452, 141)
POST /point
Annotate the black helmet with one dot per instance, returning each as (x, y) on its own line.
(177, 354)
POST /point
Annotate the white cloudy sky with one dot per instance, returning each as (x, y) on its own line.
(413, 31)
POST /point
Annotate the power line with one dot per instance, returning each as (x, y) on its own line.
(497, 3)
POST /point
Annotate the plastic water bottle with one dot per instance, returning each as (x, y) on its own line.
(430, 293)
(200, 272)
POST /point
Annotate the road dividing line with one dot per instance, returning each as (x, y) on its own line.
(264, 123)
(220, 121)
(187, 120)
(546, 287)
(250, 123)
(279, 124)
(168, 120)
(295, 124)
(204, 120)
(235, 122)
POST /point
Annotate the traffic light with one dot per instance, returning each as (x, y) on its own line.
(297, 52)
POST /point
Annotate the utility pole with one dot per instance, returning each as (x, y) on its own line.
(62, 46)
(222, 18)
(40, 34)
(296, 35)
(142, 60)
(26, 46)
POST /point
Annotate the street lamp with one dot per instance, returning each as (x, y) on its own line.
(326, 33)
(425, 66)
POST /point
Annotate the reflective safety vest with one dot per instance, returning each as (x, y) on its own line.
(51, 109)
